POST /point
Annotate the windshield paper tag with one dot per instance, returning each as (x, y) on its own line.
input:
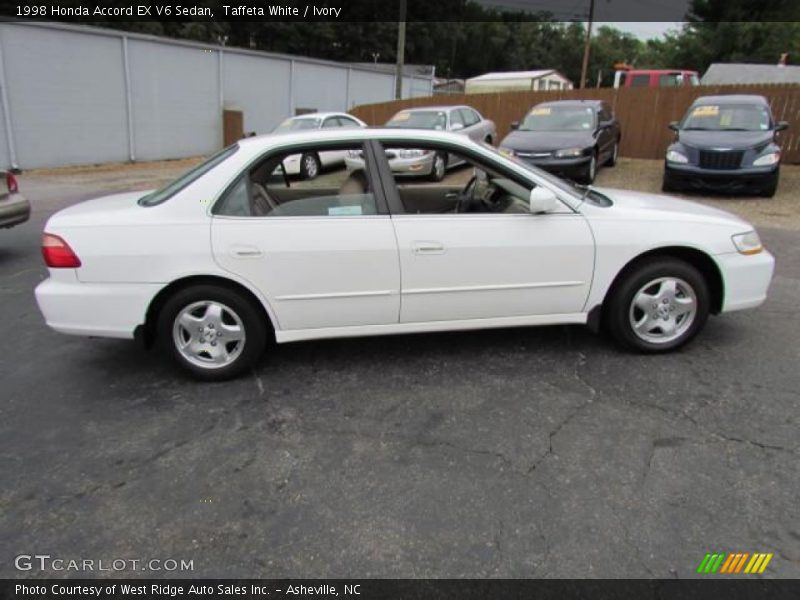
(542, 110)
(706, 111)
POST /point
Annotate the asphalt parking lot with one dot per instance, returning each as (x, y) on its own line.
(538, 452)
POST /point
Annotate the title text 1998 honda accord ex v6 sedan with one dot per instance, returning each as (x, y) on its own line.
(235, 251)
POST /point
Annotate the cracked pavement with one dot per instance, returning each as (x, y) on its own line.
(541, 452)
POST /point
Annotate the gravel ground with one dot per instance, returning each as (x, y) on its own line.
(781, 211)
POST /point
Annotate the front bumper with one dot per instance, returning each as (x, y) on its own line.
(746, 279)
(563, 167)
(418, 166)
(93, 309)
(14, 209)
(694, 177)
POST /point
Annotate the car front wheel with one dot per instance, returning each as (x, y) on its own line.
(591, 170)
(439, 167)
(212, 332)
(309, 166)
(659, 306)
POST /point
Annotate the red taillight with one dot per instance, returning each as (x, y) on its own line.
(57, 253)
(11, 182)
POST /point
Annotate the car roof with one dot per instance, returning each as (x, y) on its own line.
(320, 115)
(592, 103)
(444, 108)
(265, 142)
(731, 99)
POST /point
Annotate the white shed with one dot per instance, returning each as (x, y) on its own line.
(540, 80)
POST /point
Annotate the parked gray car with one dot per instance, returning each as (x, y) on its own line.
(463, 120)
(14, 207)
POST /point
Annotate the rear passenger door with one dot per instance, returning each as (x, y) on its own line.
(323, 252)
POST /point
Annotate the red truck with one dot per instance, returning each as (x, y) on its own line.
(630, 77)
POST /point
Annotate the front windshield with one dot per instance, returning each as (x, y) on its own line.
(419, 119)
(190, 176)
(297, 125)
(558, 118)
(568, 186)
(728, 117)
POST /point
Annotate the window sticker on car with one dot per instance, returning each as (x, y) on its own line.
(541, 110)
(403, 116)
(344, 211)
(709, 110)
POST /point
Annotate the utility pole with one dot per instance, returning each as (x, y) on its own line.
(401, 50)
(587, 45)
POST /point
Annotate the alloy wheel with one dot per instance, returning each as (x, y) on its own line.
(208, 334)
(663, 310)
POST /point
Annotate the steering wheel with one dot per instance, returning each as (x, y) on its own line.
(465, 199)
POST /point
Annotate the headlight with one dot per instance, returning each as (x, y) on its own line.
(768, 159)
(676, 157)
(506, 151)
(569, 152)
(747, 243)
(411, 153)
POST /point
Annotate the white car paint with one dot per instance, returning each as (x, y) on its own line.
(321, 277)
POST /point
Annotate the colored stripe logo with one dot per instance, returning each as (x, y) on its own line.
(735, 562)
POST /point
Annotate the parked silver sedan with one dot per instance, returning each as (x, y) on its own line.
(463, 120)
(14, 208)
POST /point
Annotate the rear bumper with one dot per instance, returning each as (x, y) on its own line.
(693, 177)
(93, 309)
(746, 279)
(14, 209)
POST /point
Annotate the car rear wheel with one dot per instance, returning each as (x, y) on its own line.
(612, 161)
(591, 170)
(212, 332)
(659, 306)
(439, 167)
(309, 166)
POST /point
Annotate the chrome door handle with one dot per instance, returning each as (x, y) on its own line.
(428, 248)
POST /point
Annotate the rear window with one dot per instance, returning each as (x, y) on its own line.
(190, 176)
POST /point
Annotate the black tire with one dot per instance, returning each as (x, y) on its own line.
(768, 191)
(619, 311)
(587, 178)
(668, 185)
(438, 169)
(612, 160)
(250, 316)
(310, 166)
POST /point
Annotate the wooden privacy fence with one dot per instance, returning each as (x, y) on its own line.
(644, 113)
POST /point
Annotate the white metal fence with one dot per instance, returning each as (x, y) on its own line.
(79, 95)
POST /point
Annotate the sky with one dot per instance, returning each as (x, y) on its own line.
(643, 29)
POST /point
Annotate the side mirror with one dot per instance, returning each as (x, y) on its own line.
(514, 124)
(542, 200)
(781, 126)
(674, 126)
(456, 127)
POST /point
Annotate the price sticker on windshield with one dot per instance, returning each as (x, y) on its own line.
(402, 116)
(541, 110)
(709, 110)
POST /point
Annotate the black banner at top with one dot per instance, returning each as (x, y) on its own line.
(84, 11)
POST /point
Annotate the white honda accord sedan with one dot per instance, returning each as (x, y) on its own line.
(234, 253)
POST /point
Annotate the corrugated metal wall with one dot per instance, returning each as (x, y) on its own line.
(78, 95)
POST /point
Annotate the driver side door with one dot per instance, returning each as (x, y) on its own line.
(488, 265)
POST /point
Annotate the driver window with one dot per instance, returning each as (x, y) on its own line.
(434, 181)
(319, 182)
